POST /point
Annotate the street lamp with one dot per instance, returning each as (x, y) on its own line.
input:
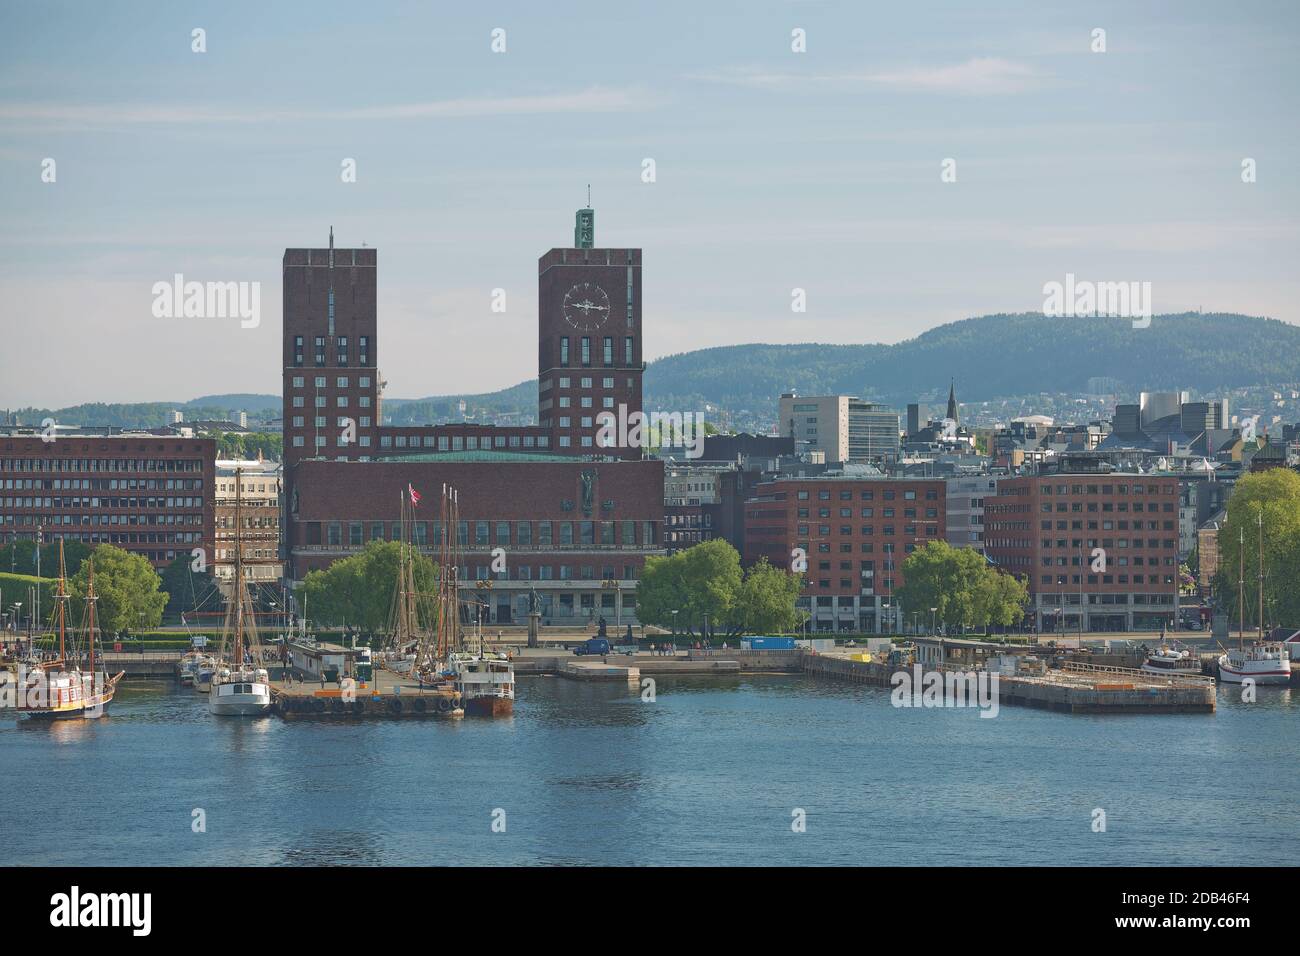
(932, 612)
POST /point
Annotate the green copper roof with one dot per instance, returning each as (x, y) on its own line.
(480, 455)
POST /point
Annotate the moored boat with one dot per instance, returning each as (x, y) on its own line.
(240, 685)
(65, 687)
(1172, 659)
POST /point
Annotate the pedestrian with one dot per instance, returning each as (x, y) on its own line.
(653, 652)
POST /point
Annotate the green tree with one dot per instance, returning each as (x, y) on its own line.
(188, 590)
(1274, 497)
(962, 587)
(358, 591)
(701, 583)
(766, 602)
(127, 588)
(19, 557)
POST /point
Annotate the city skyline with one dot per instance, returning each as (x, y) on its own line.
(775, 171)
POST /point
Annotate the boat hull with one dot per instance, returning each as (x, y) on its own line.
(489, 706)
(1230, 675)
(251, 703)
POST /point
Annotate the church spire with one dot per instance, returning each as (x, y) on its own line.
(952, 400)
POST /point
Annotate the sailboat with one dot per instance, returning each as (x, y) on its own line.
(484, 681)
(241, 687)
(1264, 662)
(408, 631)
(63, 688)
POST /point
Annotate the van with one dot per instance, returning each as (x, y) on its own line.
(592, 645)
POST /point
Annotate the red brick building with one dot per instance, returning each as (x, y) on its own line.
(147, 494)
(575, 532)
(580, 543)
(854, 532)
(1047, 531)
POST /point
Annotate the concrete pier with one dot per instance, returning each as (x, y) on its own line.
(1075, 688)
(599, 670)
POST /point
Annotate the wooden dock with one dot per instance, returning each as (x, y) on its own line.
(389, 696)
(1075, 688)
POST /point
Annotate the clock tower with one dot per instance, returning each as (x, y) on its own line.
(589, 341)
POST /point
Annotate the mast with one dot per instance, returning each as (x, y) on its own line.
(1241, 586)
(1261, 572)
(239, 570)
(90, 620)
(61, 599)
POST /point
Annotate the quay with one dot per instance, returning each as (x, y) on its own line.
(1075, 688)
(387, 696)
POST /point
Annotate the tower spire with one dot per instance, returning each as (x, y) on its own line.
(952, 399)
(584, 225)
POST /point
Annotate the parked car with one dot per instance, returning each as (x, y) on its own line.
(592, 645)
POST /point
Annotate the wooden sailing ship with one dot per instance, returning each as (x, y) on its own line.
(71, 684)
(241, 686)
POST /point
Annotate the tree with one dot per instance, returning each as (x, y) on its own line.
(1274, 496)
(126, 586)
(358, 591)
(188, 590)
(766, 602)
(19, 556)
(701, 583)
(964, 589)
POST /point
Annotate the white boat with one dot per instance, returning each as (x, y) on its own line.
(1172, 659)
(1266, 663)
(203, 672)
(485, 682)
(242, 687)
(241, 692)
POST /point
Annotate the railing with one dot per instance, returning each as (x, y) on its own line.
(1136, 673)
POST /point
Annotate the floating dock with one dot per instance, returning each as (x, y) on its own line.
(599, 670)
(1075, 688)
(389, 696)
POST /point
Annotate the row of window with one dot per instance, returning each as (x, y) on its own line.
(102, 484)
(114, 503)
(1108, 489)
(98, 537)
(100, 464)
(931, 494)
(321, 381)
(99, 520)
(584, 346)
(341, 348)
(870, 512)
(522, 534)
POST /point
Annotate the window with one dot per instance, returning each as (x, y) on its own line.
(609, 350)
(564, 358)
(586, 350)
(627, 350)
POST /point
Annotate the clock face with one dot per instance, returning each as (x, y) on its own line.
(586, 306)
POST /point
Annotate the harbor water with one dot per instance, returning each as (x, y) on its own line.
(712, 771)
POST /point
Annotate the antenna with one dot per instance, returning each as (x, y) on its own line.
(588, 195)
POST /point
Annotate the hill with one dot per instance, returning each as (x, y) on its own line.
(991, 356)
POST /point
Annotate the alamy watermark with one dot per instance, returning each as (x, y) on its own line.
(641, 430)
(179, 299)
(1082, 298)
(922, 688)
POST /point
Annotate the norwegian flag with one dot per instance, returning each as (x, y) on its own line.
(413, 495)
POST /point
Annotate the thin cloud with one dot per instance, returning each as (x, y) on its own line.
(584, 101)
(981, 76)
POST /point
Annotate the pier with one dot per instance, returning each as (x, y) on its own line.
(1075, 688)
(388, 696)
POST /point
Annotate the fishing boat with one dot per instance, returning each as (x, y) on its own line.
(241, 686)
(1264, 662)
(70, 686)
(1172, 659)
(486, 684)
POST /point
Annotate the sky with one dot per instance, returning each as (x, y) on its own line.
(774, 170)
